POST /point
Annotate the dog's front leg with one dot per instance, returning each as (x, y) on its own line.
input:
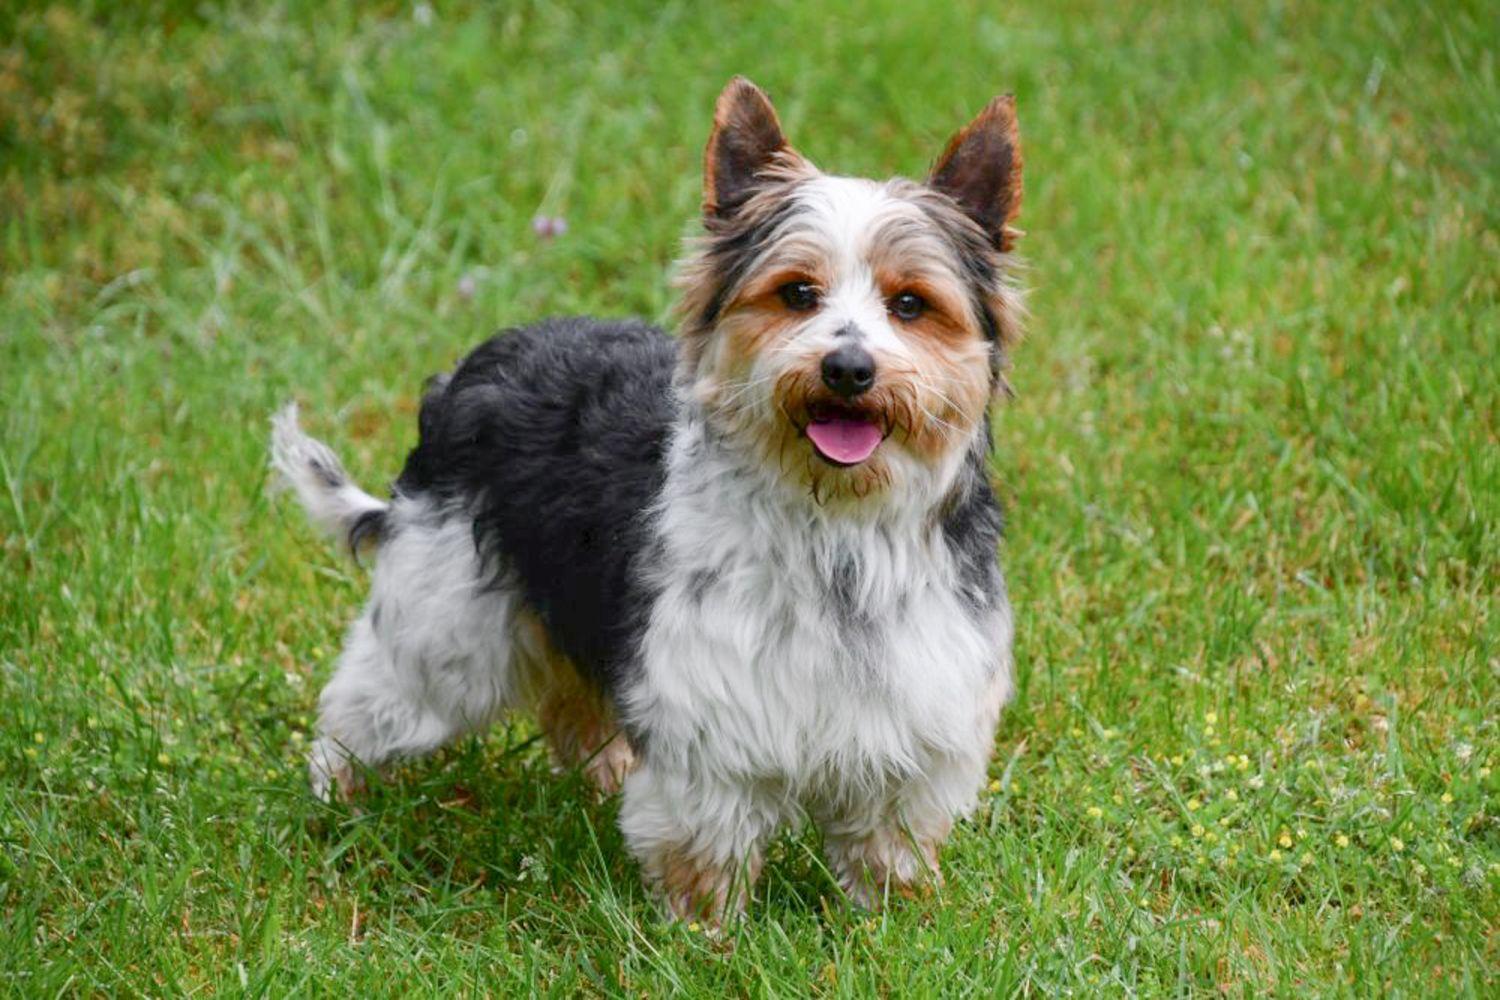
(889, 845)
(895, 852)
(698, 839)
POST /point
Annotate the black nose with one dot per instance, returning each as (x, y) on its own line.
(849, 371)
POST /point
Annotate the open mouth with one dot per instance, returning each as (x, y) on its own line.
(843, 435)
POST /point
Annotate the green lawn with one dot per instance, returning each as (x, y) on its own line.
(1252, 474)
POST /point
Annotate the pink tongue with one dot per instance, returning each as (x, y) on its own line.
(844, 440)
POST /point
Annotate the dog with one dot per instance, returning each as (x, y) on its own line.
(747, 576)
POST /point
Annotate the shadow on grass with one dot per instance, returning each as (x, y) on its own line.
(490, 824)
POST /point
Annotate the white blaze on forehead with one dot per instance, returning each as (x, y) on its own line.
(846, 212)
(843, 220)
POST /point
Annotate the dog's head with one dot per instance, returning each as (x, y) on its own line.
(850, 333)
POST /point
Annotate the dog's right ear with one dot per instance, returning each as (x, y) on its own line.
(745, 141)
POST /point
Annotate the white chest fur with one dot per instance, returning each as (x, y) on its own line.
(797, 647)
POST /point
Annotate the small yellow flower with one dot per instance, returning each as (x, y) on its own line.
(1177, 760)
(694, 927)
(163, 759)
(1456, 861)
(1176, 841)
(1306, 858)
(30, 752)
(1397, 844)
(1232, 795)
(1211, 717)
(1275, 855)
(1484, 772)
(995, 785)
(1211, 837)
(1285, 840)
(1118, 799)
(1197, 830)
(39, 738)
(1244, 763)
(1224, 821)
(1194, 805)
(1342, 840)
(1095, 812)
(1447, 798)
(1075, 732)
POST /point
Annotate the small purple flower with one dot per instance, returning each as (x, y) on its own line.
(548, 226)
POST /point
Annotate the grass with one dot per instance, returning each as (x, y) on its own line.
(1252, 473)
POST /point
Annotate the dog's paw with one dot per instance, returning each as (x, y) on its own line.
(861, 891)
(885, 867)
(709, 895)
(330, 773)
(865, 891)
(608, 768)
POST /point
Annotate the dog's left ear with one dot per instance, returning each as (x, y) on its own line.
(981, 170)
(746, 139)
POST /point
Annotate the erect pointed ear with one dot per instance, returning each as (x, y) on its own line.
(745, 139)
(981, 170)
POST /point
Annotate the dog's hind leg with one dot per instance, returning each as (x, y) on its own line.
(370, 714)
(579, 722)
(429, 659)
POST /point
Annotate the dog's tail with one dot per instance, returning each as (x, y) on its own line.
(332, 501)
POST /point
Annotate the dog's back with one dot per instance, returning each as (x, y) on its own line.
(551, 438)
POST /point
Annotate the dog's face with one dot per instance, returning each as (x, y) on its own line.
(847, 332)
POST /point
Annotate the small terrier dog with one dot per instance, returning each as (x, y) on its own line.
(747, 575)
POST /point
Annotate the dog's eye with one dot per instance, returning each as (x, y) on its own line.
(907, 306)
(799, 295)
